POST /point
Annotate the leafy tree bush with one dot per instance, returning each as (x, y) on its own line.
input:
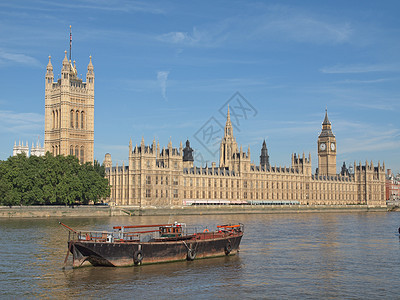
(50, 180)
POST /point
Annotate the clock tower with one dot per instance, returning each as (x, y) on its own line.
(326, 149)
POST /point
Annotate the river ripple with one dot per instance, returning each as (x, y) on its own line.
(307, 255)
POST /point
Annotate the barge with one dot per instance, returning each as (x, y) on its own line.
(148, 244)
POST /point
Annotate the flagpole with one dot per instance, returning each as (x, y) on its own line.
(70, 42)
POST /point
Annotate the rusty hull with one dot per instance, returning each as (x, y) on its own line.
(122, 254)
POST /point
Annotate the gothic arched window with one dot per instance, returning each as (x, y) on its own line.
(72, 118)
(82, 119)
(77, 120)
(56, 125)
(76, 151)
(82, 157)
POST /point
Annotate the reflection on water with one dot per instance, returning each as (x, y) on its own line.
(351, 255)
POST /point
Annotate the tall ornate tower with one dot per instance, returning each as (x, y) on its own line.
(69, 112)
(228, 145)
(326, 149)
(264, 157)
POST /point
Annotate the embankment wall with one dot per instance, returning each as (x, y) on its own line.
(102, 211)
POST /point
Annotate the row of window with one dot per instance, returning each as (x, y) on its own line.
(148, 164)
(56, 119)
(273, 185)
(160, 193)
(74, 119)
(77, 119)
(55, 150)
(79, 152)
(236, 195)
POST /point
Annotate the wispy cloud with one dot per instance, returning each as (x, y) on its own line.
(219, 84)
(365, 137)
(162, 77)
(21, 123)
(277, 23)
(126, 6)
(209, 35)
(293, 24)
(8, 57)
(381, 142)
(370, 81)
(376, 106)
(360, 68)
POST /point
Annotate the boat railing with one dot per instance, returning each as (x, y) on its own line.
(146, 233)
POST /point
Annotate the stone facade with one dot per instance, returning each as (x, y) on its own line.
(37, 150)
(69, 112)
(167, 177)
(392, 186)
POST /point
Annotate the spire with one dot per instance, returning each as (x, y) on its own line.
(326, 127)
(65, 60)
(90, 65)
(228, 125)
(264, 145)
(326, 120)
(49, 65)
(170, 143)
(153, 146)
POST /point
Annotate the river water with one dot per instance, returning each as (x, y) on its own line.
(307, 255)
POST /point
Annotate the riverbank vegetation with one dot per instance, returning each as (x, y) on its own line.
(50, 180)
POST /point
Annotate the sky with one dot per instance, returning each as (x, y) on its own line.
(167, 70)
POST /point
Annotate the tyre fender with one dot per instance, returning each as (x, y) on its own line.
(228, 248)
(191, 254)
(138, 257)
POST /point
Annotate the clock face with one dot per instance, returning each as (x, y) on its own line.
(333, 146)
(322, 146)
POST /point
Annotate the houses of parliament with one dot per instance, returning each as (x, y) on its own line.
(167, 176)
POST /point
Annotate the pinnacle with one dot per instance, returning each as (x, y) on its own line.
(326, 120)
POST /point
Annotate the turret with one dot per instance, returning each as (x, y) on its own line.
(188, 156)
(49, 75)
(90, 75)
(228, 147)
(65, 70)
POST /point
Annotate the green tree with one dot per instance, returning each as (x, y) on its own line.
(50, 180)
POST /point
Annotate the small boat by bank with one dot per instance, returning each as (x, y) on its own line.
(149, 244)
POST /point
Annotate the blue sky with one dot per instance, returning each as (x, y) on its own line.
(168, 69)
